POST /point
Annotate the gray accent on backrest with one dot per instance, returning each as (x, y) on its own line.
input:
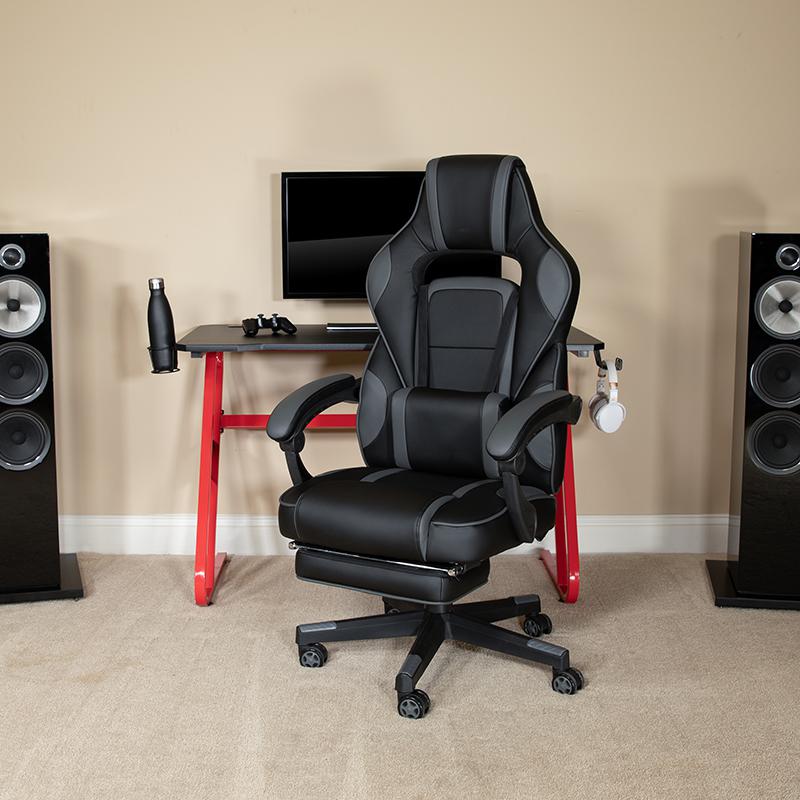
(399, 441)
(500, 191)
(380, 270)
(552, 282)
(372, 414)
(477, 204)
(431, 186)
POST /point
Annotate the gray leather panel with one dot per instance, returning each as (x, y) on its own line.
(432, 191)
(500, 192)
(552, 281)
(504, 384)
(372, 408)
(398, 412)
(381, 473)
(380, 270)
(474, 522)
(424, 522)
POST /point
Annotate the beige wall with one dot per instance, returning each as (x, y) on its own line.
(147, 138)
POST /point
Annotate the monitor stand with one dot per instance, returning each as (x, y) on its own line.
(339, 327)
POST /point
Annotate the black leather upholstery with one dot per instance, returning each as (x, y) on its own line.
(511, 433)
(404, 515)
(294, 412)
(461, 421)
(460, 363)
(471, 203)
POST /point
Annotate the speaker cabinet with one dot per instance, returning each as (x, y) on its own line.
(765, 476)
(31, 567)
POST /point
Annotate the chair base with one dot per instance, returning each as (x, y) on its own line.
(434, 624)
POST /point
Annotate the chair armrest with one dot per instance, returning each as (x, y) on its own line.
(295, 411)
(513, 431)
(507, 442)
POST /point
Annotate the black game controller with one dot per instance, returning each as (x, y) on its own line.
(276, 324)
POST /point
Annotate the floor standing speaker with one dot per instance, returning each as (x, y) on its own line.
(764, 536)
(31, 566)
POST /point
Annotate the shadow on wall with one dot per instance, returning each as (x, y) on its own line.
(699, 342)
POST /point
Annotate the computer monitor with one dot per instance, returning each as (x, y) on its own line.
(335, 222)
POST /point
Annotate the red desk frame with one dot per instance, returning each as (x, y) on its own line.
(563, 568)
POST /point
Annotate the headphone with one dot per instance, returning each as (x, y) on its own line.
(605, 410)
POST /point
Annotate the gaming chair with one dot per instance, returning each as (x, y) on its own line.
(462, 414)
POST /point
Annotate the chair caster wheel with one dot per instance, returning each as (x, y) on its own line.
(414, 705)
(568, 682)
(313, 655)
(578, 675)
(536, 625)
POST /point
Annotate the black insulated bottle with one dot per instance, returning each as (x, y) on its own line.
(161, 327)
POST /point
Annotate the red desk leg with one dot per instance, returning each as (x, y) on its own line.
(207, 562)
(564, 569)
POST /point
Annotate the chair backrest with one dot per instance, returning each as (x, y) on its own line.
(455, 353)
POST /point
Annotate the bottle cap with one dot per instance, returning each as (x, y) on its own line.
(156, 283)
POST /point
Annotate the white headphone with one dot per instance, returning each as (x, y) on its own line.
(605, 410)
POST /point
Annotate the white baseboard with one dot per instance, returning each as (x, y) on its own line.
(174, 534)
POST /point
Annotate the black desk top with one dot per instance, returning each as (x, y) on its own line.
(230, 339)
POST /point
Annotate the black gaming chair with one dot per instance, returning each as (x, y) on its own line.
(462, 415)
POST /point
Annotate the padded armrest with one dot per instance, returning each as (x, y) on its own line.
(294, 412)
(517, 427)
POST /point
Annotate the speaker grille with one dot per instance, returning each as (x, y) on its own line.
(777, 308)
(22, 306)
(12, 256)
(23, 373)
(774, 443)
(775, 375)
(24, 440)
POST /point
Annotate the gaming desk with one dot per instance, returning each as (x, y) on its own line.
(211, 342)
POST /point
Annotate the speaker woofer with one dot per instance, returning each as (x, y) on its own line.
(775, 375)
(12, 256)
(774, 443)
(24, 440)
(22, 306)
(23, 373)
(777, 308)
(788, 256)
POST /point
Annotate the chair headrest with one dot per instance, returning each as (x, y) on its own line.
(467, 200)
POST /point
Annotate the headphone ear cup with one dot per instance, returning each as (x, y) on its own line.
(594, 404)
(610, 416)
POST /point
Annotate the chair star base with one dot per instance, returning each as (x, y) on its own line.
(433, 624)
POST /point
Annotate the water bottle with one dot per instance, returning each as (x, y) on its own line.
(163, 354)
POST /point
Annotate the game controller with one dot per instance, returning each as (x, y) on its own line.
(276, 324)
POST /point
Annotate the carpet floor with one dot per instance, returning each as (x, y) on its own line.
(133, 692)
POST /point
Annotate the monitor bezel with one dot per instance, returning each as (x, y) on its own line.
(285, 177)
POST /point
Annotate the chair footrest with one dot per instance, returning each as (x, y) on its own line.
(403, 582)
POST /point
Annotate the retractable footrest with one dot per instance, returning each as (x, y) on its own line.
(421, 583)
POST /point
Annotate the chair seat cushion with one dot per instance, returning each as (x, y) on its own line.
(405, 515)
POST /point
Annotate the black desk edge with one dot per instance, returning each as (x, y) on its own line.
(229, 339)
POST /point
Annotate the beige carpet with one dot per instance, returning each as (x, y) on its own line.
(134, 692)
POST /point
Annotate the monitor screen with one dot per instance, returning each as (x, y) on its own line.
(335, 222)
